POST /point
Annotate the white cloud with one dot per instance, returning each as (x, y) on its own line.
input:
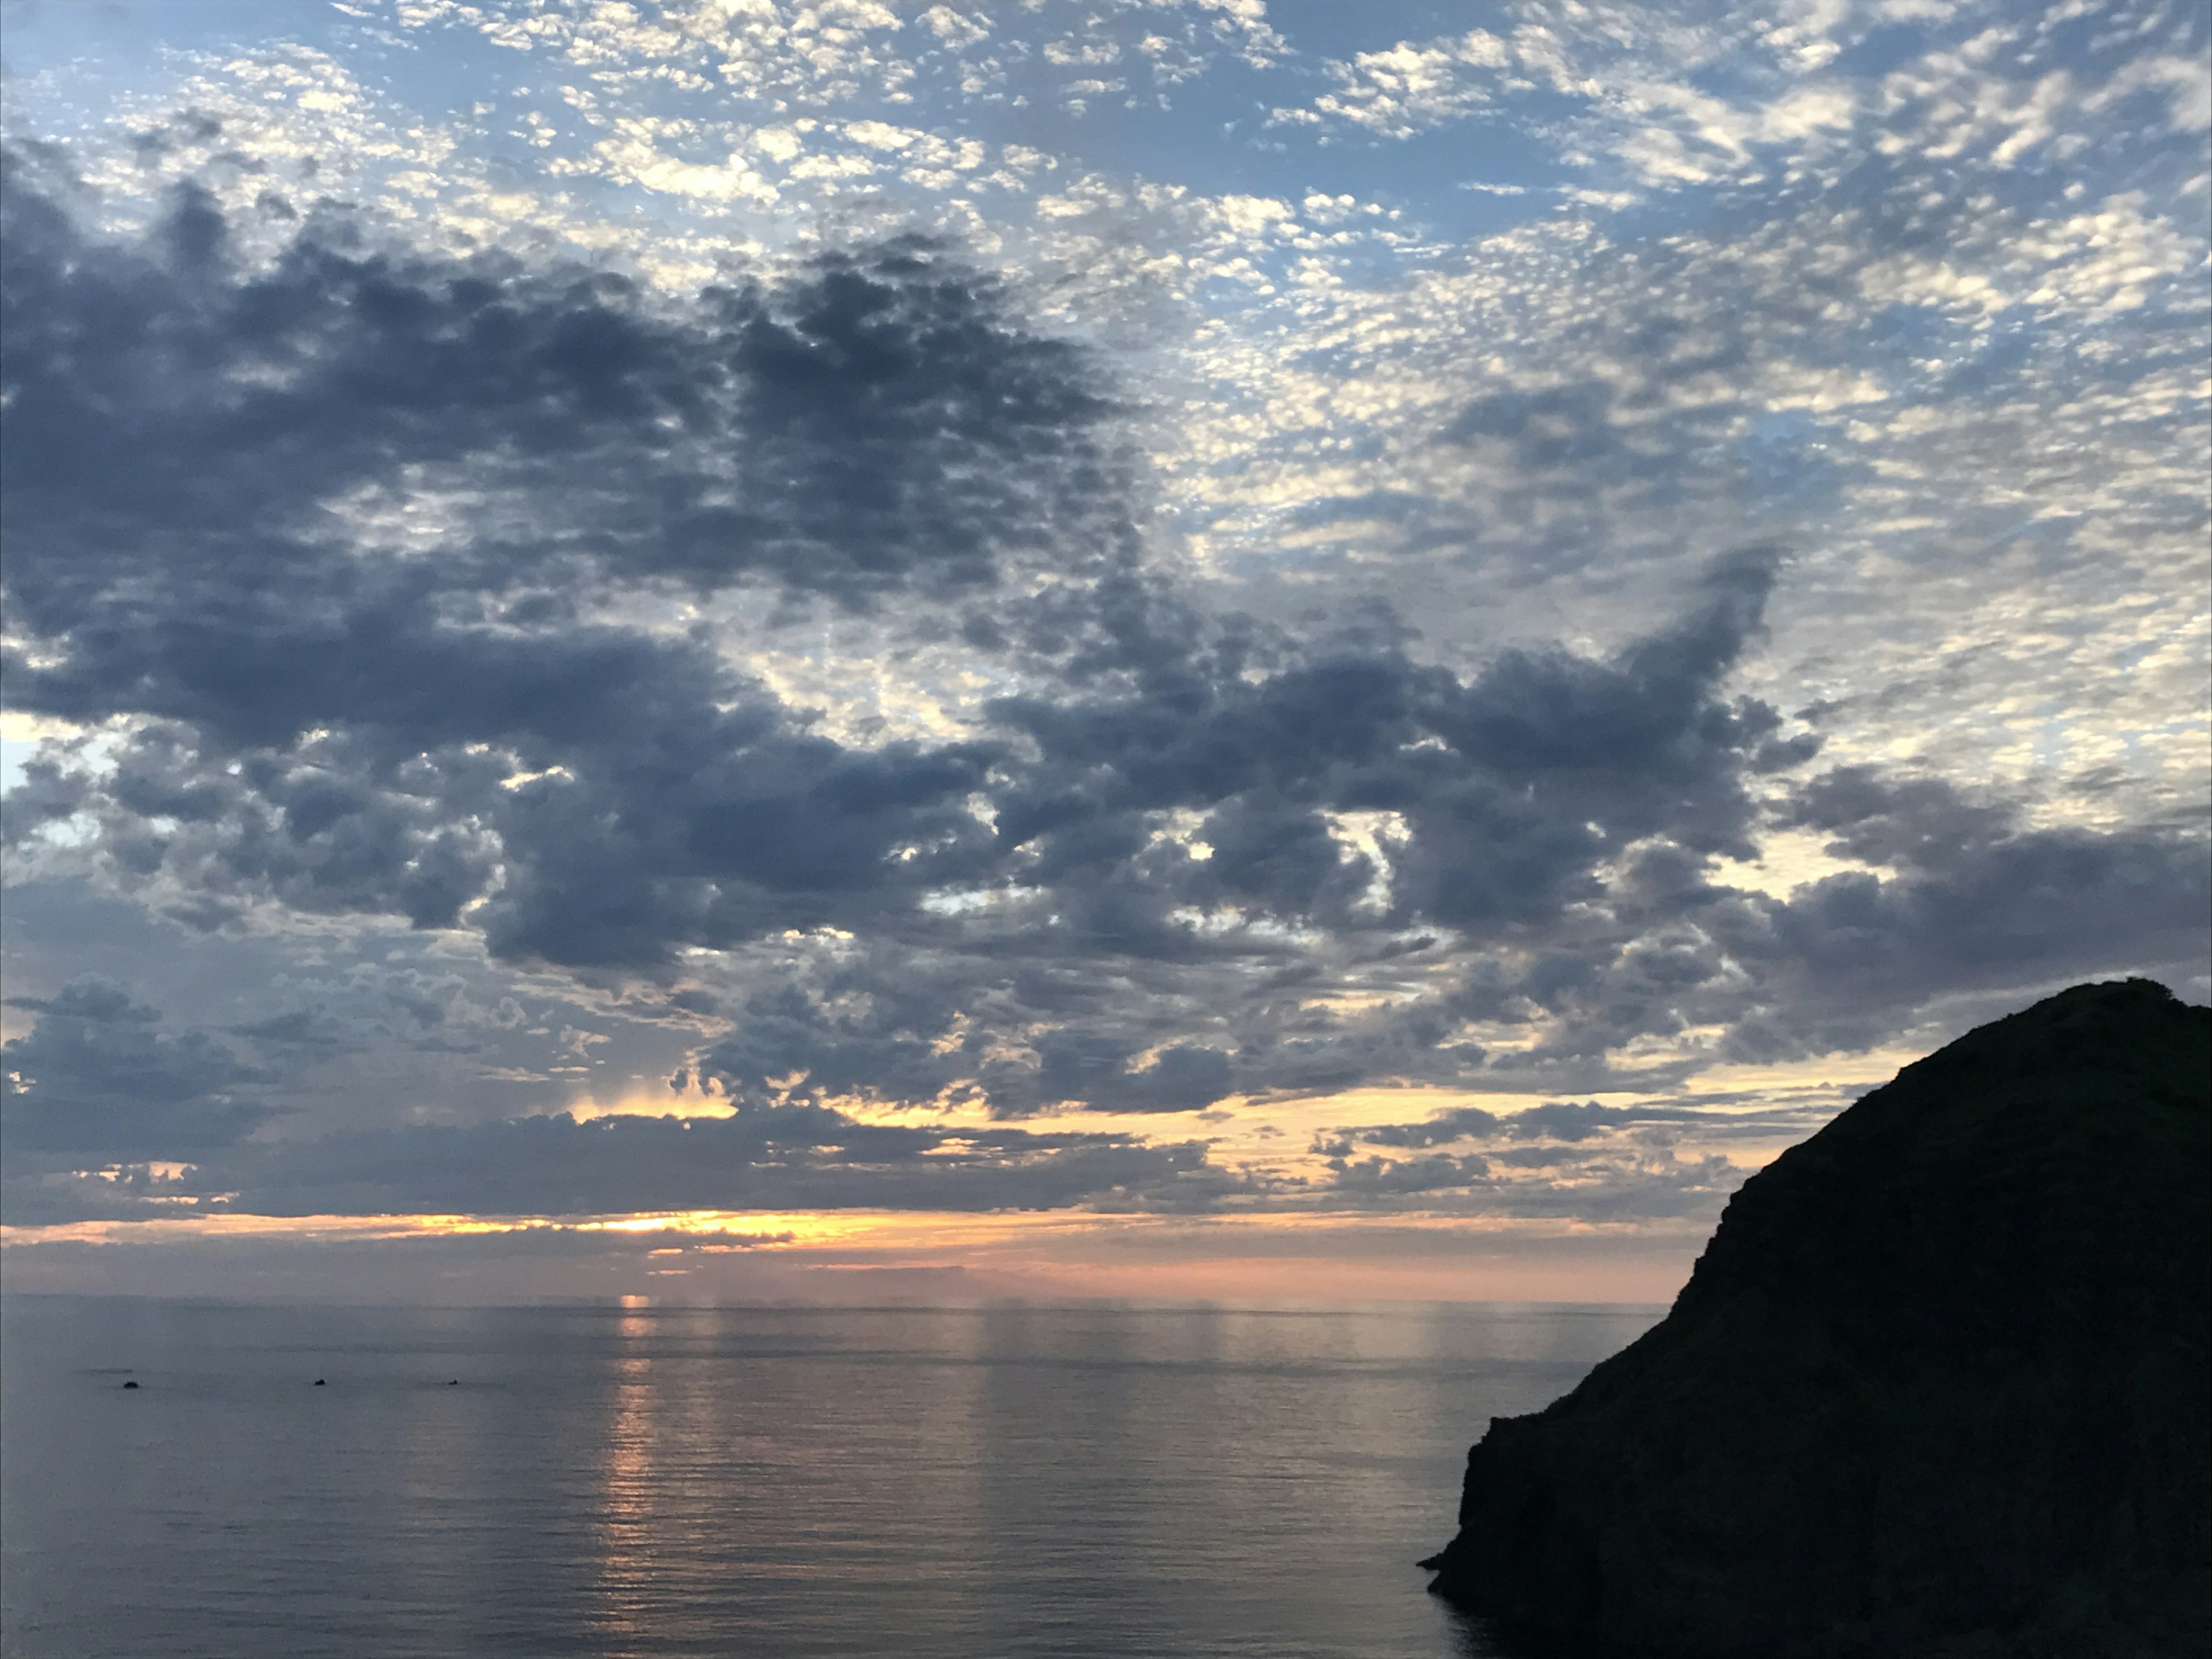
(2187, 82)
(630, 155)
(955, 29)
(877, 134)
(819, 53)
(1408, 88)
(1254, 216)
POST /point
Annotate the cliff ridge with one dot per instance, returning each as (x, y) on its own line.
(1938, 1386)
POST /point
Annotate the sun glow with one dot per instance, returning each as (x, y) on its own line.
(718, 1254)
(651, 1103)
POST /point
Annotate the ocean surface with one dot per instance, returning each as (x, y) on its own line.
(1094, 1480)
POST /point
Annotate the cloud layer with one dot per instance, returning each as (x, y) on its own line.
(930, 704)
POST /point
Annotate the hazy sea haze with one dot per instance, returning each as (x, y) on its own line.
(1096, 1480)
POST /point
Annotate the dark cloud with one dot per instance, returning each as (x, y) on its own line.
(97, 1078)
(184, 433)
(1551, 1120)
(395, 736)
(416, 736)
(48, 793)
(660, 819)
(102, 1103)
(892, 1028)
(1512, 786)
(1184, 857)
(1179, 1078)
(1438, 1129)
(874, 422)
(1969, 900)
(1377, 1176)
(1616, 1184)
(884, 1029)
(1975, 899)
(1149, 972)
(793, 1157)
(1562, 1119)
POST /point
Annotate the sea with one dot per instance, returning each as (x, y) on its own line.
(1093, 1480)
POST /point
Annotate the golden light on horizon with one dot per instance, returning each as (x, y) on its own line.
(1277, 1140)
(1309, 1256)
(1294, 1236)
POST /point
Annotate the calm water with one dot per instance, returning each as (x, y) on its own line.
(1095, 1481)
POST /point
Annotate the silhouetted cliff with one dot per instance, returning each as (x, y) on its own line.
(1938, 1386)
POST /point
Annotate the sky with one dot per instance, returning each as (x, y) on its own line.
(1164, 647)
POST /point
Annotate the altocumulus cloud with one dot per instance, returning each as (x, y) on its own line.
(385, 588)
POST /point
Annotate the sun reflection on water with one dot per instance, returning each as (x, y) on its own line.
(626, 1480)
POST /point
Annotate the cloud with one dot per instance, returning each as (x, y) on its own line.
(1974, 901)
(345, 726)
(1613, 1185)
(1378, 1177)
(1564, 1125)
(1100, 898)
(788, 1158)
(1693, 99)
(873, 423)
(816, 54)
(488, 733)
(1974, 898)
(1160, 651)
(97, 1078)
(1103, 958)
(1397, 92)
(1508, 785)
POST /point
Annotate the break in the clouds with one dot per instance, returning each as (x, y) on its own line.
(914, 607)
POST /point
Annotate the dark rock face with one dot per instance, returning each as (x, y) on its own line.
(1938, 1386)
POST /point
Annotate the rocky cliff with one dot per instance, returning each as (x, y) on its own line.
(1939, 1385)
